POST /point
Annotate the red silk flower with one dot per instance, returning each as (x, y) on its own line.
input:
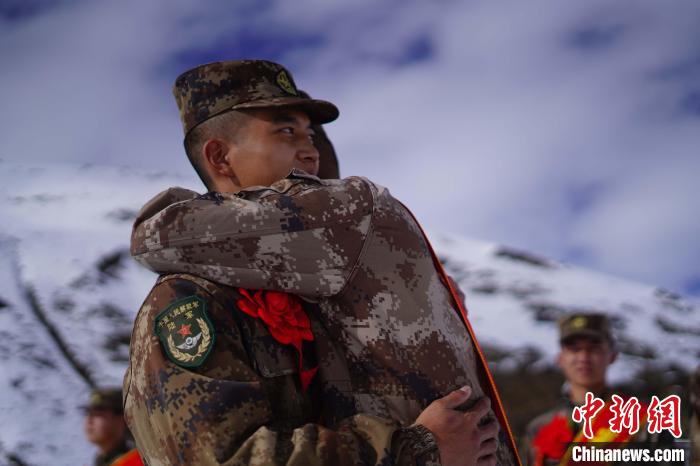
(552, 439)
(285, 319)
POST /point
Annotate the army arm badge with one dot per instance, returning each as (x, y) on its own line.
(185, 331)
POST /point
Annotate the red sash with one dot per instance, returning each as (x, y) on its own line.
(553, 440)
(130, 458)
(490, 389)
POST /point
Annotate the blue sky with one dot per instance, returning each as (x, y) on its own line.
(568, 129)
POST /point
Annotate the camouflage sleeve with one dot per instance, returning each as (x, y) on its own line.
(302, 238)
(243, 405)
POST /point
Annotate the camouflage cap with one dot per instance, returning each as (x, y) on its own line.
(214, 88)
(105, 398)
(584, 325)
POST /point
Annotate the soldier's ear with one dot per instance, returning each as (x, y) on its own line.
(215, 152)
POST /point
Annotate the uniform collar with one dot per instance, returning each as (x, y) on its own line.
(294, 174)
(298, 174)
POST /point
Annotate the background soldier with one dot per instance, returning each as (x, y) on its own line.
(587, 351)
(106, 428)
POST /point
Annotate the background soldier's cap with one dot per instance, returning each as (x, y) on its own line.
(105, 398)
(592, 325)
(214, 88)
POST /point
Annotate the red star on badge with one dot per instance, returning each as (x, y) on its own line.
(184, 330)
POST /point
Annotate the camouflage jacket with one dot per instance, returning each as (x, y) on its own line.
(563, 410)
(357, 252)
(244, 405)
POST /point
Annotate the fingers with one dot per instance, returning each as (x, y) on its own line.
(456, 398)
(479, 410)
(489, 430)
(489, 442)
(488, 447)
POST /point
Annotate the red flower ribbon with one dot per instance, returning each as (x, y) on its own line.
(285, 319)
(553, 439)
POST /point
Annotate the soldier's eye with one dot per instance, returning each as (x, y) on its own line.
(287, 130)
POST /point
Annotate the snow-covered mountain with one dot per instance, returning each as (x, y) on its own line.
(515, 299)
(69, 292)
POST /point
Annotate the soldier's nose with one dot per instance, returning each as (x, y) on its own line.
(308, 154)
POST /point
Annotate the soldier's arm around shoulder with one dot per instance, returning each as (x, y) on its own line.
(300, 236)
(205, 387)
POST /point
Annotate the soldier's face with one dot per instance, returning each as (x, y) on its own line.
(270, 144)
(584, 361)
(103, 426)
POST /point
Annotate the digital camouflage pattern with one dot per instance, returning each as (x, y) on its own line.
(347, 245)
(214, 88)
(244, 404)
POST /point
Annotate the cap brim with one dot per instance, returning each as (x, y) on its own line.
(582, 334)
(319, 111)
(88, 408)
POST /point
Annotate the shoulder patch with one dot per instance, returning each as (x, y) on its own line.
(185, 331)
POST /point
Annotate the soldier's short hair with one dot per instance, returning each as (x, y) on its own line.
(225, 126)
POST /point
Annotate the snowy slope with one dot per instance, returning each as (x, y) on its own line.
(515, 298)
(39, 391)
(65, 235)
(69, 292)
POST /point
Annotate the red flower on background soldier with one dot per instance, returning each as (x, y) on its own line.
(285, 319)
(553, 439)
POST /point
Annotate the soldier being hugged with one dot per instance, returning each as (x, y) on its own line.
(297, 320)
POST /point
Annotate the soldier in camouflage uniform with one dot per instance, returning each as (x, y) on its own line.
(364, 371)
(587, 350)
(105, 427)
